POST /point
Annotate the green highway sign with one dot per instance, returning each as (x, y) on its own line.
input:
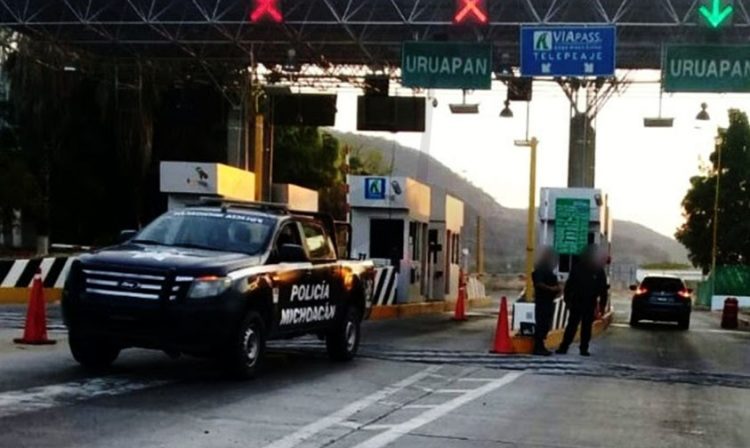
(446, 65)
(706, 68)
(571, 225)
(716, 13)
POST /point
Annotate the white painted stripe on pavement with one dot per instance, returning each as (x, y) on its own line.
(344, 413)
(15, 272)
(441, 410)
(45, 397)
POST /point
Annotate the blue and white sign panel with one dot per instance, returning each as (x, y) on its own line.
(568, 50)
(375, 188)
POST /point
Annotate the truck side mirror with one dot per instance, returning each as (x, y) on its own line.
(126, 235)
(292, 253)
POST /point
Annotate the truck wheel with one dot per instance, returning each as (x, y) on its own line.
(343, 341)
(248, 346)
(684, 323)
(90, 352)
(634, 319)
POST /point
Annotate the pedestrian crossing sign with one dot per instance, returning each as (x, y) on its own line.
(375, 188)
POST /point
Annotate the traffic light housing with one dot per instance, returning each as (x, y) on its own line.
(520, 89)
(471, 12)
(266, 11)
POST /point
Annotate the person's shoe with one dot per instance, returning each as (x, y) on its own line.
(542, 352)
(562, 351)
(585, 353)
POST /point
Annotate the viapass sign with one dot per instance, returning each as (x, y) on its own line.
(568, 50)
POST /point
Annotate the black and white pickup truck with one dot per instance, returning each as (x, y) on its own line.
(219, 279)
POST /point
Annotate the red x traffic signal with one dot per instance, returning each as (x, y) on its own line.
(266, 11)
(471, 12)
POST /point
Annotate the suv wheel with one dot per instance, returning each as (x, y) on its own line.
(91, 352)
(343, 341)
(247, 348)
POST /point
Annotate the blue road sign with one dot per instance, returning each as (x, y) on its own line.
(375, 188)
(568, 50)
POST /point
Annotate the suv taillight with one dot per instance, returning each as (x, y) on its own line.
(641, 291)
(685, 294)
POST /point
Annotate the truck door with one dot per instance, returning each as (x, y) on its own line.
(324, 291)
(289, 279)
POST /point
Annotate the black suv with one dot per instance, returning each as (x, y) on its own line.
(661, 298)
(217, 280)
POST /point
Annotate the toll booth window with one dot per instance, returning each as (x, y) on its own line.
(456, 253)
(318, 243)
(387, 239)
(415, 241)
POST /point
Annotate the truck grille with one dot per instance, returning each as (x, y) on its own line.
(137, 285)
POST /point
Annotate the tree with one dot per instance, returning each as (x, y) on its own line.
(696, 234)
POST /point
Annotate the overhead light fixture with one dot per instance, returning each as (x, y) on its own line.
(658, 122)
(506, 112)
(703, 114)
(464, 107)
(291, 64)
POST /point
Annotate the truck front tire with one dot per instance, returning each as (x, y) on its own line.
(247, 348)
(91, 352)
(342, 342)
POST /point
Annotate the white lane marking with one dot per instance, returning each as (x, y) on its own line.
(16, 402)
(453, 391)
(344, 413)
(477, 380)
(431, 415)
(15, 272)
(419, 406)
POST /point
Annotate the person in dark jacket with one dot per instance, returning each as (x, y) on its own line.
(546, 290)
(586, 285)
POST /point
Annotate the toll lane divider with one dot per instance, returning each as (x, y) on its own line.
(16, 277)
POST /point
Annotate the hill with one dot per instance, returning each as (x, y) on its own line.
(505, 228)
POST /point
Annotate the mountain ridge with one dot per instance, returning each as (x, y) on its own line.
(505, 228)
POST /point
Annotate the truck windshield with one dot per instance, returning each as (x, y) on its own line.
(210, 230)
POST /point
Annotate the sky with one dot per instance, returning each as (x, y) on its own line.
(645, 171)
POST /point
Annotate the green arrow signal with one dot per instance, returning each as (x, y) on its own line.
(717, 14)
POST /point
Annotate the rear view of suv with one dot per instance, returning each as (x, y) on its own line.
(663, 299)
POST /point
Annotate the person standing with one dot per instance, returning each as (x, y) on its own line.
(586, 285)
(546, 290)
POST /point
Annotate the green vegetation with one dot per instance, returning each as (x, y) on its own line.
(696, 234)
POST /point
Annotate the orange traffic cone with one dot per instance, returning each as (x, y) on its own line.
(35, 331)
(459, 314)
(503, 344)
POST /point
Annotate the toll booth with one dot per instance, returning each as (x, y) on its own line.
(444, 246)
(296, 197)
(572, 218)
(390, 218)
(185, 182)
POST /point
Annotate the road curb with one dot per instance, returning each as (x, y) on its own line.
(406, 310)
(525, 344)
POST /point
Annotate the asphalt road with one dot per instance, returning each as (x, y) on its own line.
(425, 382)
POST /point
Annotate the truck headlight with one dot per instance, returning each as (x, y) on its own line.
(209, 286)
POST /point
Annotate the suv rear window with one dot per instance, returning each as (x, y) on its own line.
(663, 284)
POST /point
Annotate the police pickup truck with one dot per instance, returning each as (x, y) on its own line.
(217, 279)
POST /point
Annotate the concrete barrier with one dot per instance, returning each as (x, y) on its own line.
(16, 277)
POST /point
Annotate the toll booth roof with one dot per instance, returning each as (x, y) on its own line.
(391, 192)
